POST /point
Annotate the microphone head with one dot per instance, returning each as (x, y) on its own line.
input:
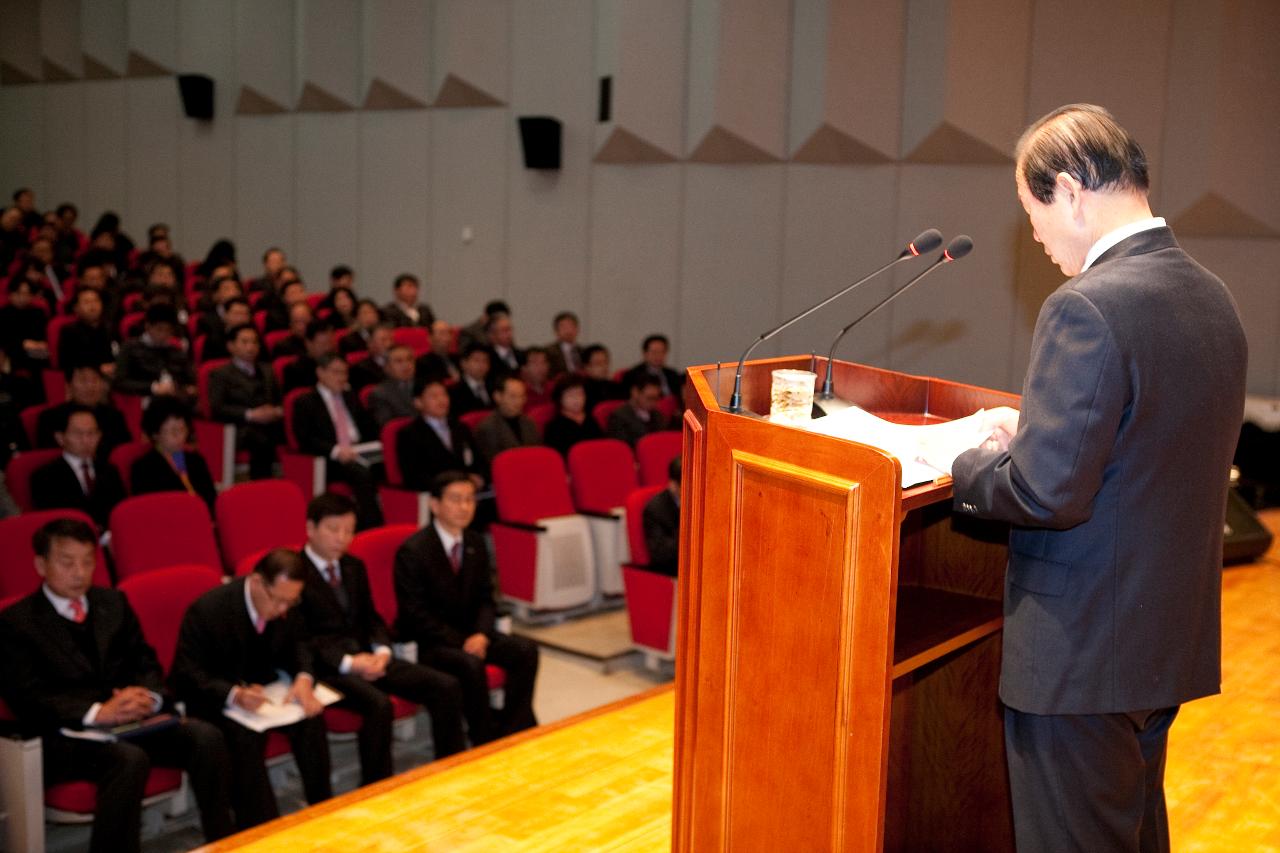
(927, 241)
(958, 248)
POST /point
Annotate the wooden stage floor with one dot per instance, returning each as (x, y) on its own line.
(602, 781)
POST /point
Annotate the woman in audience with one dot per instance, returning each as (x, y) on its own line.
(367, 318)
(572, 423)
(341, 305)
(22, 326)
(170, 466)
(221, 254)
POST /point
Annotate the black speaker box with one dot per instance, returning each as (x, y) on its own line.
(540, 142)
(197, 95)
(1244, 538)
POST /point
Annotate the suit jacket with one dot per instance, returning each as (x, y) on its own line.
(391, 399)
(626, 425)
(45, 675)
(314, 429)
(393, 313)
(110, 421)
(300, 373)
(336, 629)
(440, 365)
(494, 435)
(436, 606)
(138, 365)
(366, 371)
(1116, 486)
(555, 356)
(218, 649)
(562, 433)
(232, 392)
(151, 472)
(80, 344)
(674, 380)
(499, 368)
(56, 486)
(422, 454)
(463, 400)
(661, 520)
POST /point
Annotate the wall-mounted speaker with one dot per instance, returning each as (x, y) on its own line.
(197, 95)
(540, 141)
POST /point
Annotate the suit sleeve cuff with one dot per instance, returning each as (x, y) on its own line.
(91, 715)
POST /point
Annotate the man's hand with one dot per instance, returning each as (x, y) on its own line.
(368, 666)
(1002, 421)
(345, 453)
(250, 697)
(476, 644)
(302, 693)
(126, 705)
(264, 414)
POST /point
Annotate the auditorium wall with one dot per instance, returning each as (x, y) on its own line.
(758, 154)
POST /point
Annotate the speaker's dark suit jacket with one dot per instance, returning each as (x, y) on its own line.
(151, 472)
(423, 455)
(56, 486)
(1116, 486)
(314, 429)
(232, 392)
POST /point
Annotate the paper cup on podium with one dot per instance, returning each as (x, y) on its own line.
(791, 400)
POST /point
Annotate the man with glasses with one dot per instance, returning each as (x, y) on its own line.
(640, 415)
(235, 639)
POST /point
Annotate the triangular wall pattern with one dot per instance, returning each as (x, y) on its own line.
(829, 145)
(55, 73)
(317, 100)
(383, 96)
(95, 70)
(1213, 216)
(623, 146)
(142, 66)
(12, 75)
(725, 146)
(456, 92)
(949, 145)
(253, 103)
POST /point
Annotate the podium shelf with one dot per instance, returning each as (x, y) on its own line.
(932, 623)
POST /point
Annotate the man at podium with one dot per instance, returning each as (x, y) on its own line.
(1114, 477)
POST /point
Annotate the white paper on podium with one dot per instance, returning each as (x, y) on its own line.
(277, 711)
(910, 443)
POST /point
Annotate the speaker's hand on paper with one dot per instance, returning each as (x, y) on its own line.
(1002, 422)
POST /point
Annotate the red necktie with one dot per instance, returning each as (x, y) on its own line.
(455, 557)
(334, 580)
(88, 476)
(260, 624)
(77, 611)
(341, 426)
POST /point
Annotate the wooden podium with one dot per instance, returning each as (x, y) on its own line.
(839, 636)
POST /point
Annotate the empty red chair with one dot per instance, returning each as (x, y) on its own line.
(17, 559)
(650, 596)
(602, 472)
(55, 384)
(17, 474)
(602, 410)
(30, 416)
(654, 453)
(161, 529)
(472, 419)
(399, 505)
(161, 598)
(255, 516)
(122, 458)
(544, 551)
(416, 337)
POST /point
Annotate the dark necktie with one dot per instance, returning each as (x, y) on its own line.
(455, 557)
(88, 477)
(332, 576)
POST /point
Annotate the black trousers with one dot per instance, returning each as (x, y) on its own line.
(1088, 783)
(260, 441)
(120, 772)
(439, 693)
(516, 655)
(251, 795)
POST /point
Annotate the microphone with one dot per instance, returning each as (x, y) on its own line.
(927, 241)
(956, 249)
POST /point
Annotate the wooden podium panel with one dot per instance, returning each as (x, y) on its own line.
(839, 635)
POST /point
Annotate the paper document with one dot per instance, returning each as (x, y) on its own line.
(906, 441)
(277, 711)
(126, 731)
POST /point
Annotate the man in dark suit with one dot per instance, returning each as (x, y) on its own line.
(152, 364)
(372, 369)
(439, 362)
(404, 309)
(654, 364)
(87, 340)
(564, 353)
(597, 380)
(639, 416)
(661, 522)
(319, 344)
(393, 396)
(78, 479)
(1114, 477)
(444, 589)
(233, 314)
(329, 422)
(505, 358)
(86, 387)
(244, 393)
(472, 391)
(508, 427)
(232, 641)
(435, 442)
(75, 658)
(353, 647)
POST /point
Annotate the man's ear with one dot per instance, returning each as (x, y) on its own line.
(1071, 190)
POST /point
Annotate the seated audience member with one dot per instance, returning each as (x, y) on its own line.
(17, 392)
(471, 392)
(213, 303)
(564, 353)
(508, 426)
(662, 524)
(295, 343)
(372, 369)
(53, 274)
(435, 442)
(171, 465)
(476, 331)
(13, 237)
(235, 639)
(595, 371)
(654, 364)
(393, 396)
(24, 199)
(318, 343)
(639, 416)
(444, 590)
(244, 393)
(505, 358)
(329, 422)
(86, 388)
(292, 292)
(404, 309)
(273, 261)
(78, 479)
(368, 318)
(22, 326)
(235, 313)
(342, 277)
(69, 238)
(86, 340)
(341, 305)
(221, 254)
(536, 374)
(352, 646)
(572, 422)
(439, 362)
(153, 365)
(75, 658)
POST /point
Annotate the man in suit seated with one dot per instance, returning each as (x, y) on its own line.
(639, 416)
(86, 387)
(329, 422)
(654, 363)
(368, 317)
(564, 353)
(232, 315)
(234, 639)
(661, 522)
(404, 309)
(471, 393)
(153, 364)
(596, 378)
(78, 479)
(435, 442)
(353, 647)
(505, 358)
(372, 369)
(87, 340)
(508, 426)
(318, 344)
(393, 396)
(243, 392)
(295, 343)
(444, 589)
(438, 362)
(75, 658)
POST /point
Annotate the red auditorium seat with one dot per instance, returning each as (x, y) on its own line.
(416, 337)
(130, 405)
(54, 331)
(55, 384)
(365, 393)
(122, 458)
(651, 597)
(149, 532)
(472, 419)
(274, 337)
(399, 505)
(161, 598)
(252, 517)
(30, 416)
(279, 364)
(541, 415)
(216, 440)
(654, 453)
(307, 472)
(17, 474)
(544, 552)
(17, 559)
(602, 472)
(602, 410)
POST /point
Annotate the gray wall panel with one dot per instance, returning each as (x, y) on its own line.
(105, 131)
(325, 184)
(66, 145)
(153, 183)
(22, 115)
(395, 202)
(264, 188)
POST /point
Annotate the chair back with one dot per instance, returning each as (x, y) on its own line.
(530, 483)
(377, 548)
(53, 332)
(602, 472)
(30, 417)
(17, 558)
(17, 474)
(415, 337)
(636, 502)
(541, 415)
(259, 515)
(160, 599)
(152, 531)
(390, 458)
(654, 453)
(203, 409)
(290, 400)
(602, 410)
(122, 458)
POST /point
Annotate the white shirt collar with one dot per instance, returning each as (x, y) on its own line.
(447, 539)
(319, 562)
(1124, 232)
(63, 605)
(248, 603)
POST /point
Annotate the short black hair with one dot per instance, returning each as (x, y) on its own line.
(424, 379)
(497, 306)
(75, 529)
(160, 313)
(494, 318)
(70, 412)
(67, 207)
(445, 479)
(71, 370)
(371, 304)
(640, 381)
(19, 191)
(18, 282)
(236, 300)
(234, 331)
(340, 270)
(402, 278)
(81, 291)
(591, 350)
(328, 359)
(565, 315)
(566, 383)
(473, 348)
(316, 326)
(281, 561)
(675, 469)
(649, 339)
(160, 410)
(1086, 142)
(329, 503)
(267, 252)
